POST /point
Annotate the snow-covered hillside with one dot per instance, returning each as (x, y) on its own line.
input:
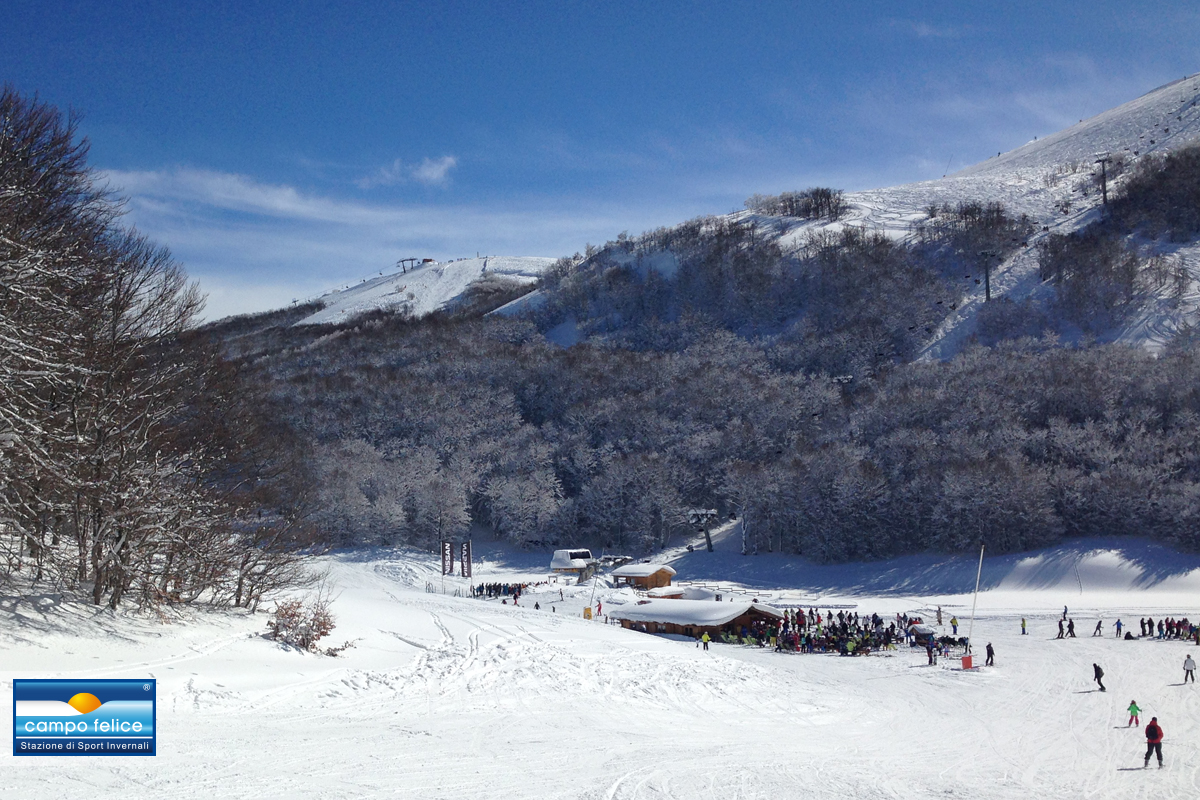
(424, 289)
(1052, 180)
(449, 697)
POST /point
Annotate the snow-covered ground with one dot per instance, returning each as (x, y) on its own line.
(447, 696)
(424, 289)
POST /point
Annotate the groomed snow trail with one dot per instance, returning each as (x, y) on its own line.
(454, 697)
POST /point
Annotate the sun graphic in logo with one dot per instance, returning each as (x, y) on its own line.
(84, 702)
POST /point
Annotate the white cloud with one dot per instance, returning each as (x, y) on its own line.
(925, 30)
(434, 173)
(389, 175)
(430, 172)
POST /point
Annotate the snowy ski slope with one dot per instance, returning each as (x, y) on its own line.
(1051, 180)
(424, 289)
(451, 697)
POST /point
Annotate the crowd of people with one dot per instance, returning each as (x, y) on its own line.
(502, 590)
(1168, 628)
(845, 633)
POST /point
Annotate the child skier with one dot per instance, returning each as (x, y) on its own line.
(1189, 669)
(1133, 714)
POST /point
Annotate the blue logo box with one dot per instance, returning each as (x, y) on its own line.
(84, 717)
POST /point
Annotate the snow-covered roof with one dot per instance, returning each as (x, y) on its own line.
(641, 570)
(578, 558)
(666, 591)
(689, 612)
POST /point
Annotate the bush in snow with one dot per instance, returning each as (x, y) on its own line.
(302, 623)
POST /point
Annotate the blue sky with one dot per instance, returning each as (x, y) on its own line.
(280, 149)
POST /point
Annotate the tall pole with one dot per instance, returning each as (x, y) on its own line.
(978, 573)
(1103, 162)
(987, 255)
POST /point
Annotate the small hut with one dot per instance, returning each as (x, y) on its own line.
(644, 576)
(692, 617)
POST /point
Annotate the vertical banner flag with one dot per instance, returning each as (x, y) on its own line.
(465, 558)
(447, 558)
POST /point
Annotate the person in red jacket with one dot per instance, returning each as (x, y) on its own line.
(1154, 737)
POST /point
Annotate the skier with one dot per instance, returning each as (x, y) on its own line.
(1099, 676)
(1133, 713)
(1154, 737)
(929, 649)
(1119, 629)
(1099, 626)
(1060, 630)
(1189, 669)
(991, 656)
(705, 638)
(1071, 628)
(1064, 612)
(537, 606)
(954, 625)
(939, 613)
(1023, 631)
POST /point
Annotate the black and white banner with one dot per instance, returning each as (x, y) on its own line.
(465, 558)
(447, 558)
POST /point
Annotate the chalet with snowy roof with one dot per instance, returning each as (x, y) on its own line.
(692, 617)
(643, 576)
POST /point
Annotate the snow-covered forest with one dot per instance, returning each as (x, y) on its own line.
(112, 429)
(774, 364)
(414, 430)
(710, 365)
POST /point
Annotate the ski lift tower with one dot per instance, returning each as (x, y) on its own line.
(702, 518)
(405, 263)
(1104, 159)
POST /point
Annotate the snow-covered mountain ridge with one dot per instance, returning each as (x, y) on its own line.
(1047, 187)
(423, 289)
(1054, 182)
